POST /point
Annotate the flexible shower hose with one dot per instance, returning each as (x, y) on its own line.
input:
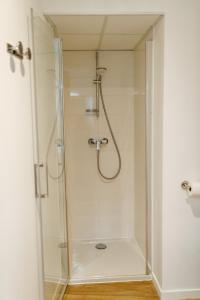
(113, 138)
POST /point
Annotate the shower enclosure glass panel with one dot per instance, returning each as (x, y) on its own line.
(50, 155)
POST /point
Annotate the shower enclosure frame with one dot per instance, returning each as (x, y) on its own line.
(148, 147)
(149, 73)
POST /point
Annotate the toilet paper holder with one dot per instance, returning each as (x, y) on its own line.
(186, 185)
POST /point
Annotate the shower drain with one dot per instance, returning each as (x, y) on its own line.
(101, 246)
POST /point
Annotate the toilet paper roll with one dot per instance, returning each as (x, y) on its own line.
(194, 190)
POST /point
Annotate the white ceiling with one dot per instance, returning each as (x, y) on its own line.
(102, 32)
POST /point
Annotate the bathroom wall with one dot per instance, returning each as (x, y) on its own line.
(18, 253)
(176, 260)
(99, 209)
(181, 123)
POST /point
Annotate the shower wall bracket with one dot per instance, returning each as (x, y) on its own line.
(18, 51)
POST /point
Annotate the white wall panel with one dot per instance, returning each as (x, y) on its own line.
(98, 209)
(18, 253)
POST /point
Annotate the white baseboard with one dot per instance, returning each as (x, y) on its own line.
(181, 294)
(175, 294)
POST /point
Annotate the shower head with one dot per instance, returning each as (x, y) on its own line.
(100, 71)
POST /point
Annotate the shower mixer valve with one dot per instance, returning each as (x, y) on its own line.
(98, 142)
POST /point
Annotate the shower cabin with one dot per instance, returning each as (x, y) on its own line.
(93, 92)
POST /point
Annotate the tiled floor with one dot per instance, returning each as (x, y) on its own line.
(121, 258)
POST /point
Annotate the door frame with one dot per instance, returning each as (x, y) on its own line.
(149, 56)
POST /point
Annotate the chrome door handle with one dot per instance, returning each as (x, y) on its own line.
(37, 168)
(36, 180)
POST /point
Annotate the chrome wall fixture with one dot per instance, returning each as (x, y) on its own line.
(103, 141)
(186, 186)
(97, 81)
(18, 51)
(98, 142)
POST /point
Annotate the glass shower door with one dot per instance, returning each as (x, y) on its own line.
(49, 169)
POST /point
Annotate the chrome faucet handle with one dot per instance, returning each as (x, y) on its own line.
(104, 141)
(92, 141)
